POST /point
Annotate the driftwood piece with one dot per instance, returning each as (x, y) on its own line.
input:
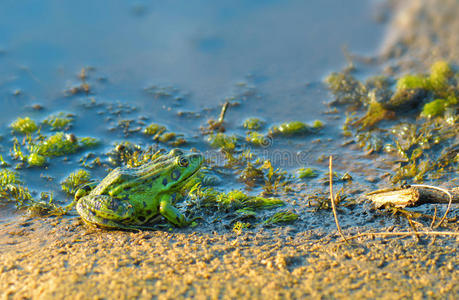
(413, 196)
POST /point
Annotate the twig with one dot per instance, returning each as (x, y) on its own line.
(223, 112)
(332, 199)
(216, 125)
(434, 233)
(434, 217)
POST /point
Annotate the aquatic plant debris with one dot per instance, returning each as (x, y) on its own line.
(307, 173)
(253, 124)
(13, 190)
(295, 128)
(282, 217)
(38, 147)
(223, 141)
(24, 125)
(425, 139)
(74, 181)
(59, 121)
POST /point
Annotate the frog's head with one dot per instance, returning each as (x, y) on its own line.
(179, 168)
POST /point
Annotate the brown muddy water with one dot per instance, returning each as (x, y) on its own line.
(175, 63)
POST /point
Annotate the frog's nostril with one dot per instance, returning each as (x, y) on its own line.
(196, 157)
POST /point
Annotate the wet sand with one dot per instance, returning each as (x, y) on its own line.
(277, 263)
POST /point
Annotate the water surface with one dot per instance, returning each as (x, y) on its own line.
(270, 56)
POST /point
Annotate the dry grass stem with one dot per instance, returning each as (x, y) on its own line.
(332, 199)
(433, 233)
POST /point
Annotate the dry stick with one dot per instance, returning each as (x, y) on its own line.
(434, 233)
(223, 112)
(413, 196)
(333, 199)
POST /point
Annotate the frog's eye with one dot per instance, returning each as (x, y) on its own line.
(176, 152)
(183, 162)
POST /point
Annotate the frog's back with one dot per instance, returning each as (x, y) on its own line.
(114, 178)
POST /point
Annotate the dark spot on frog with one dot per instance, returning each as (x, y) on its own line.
(165, 181)
(175, 174)
(141, 218)
(148, 212)
(144, 204)
(114, 204)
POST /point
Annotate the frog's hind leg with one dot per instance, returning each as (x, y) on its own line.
(105, 211)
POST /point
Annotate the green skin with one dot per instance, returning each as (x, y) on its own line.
(128, 198)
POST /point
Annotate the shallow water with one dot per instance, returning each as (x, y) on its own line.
(203, 48)
(269, 55)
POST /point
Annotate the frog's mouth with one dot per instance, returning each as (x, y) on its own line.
(191, 174)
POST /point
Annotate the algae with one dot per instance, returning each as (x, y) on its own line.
(74, 181)
(24, 125)
(431, 130)
(307, 173)
(295, 128)
(253, 124)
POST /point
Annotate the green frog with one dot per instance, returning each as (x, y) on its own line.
(128, 198)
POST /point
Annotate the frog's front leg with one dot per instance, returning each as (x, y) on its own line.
(105, 211)
(81, 192)
(171, 213)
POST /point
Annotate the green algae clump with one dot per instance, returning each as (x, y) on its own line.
(437, 80)
(257, 139)
(236, 199)
(166, 137)
(60, 121)
(12, 189)
(282, 217)
(153, 129)
(36, 160)
(413, 82)
(253, 124)
(346, 89)
(222, 141)
(440, 73)
(434, 108)
(375, 113)
(74, 181)
(437, 107)
(61, 144)
(306, 173)
(295, 128)
(24, 125)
